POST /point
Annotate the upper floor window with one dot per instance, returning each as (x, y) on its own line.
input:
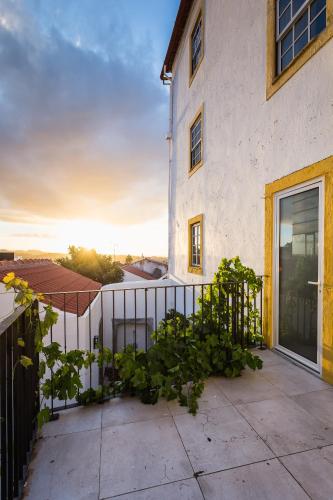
(196, 142)
(196, 46)
(297, 23)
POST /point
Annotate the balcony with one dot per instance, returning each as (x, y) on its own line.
(267, 434)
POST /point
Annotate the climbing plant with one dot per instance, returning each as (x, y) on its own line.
(58, 370)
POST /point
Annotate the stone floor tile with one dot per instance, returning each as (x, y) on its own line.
(319, 404)
(212, 397)
(293, 380)
(181, 490)
(314, 471)
(220, 439)
(250, 386)
(261, 481)
(130, 409)
(270, 358)
(285, 426)
(75, 420)
(65, 468)
(141, 455)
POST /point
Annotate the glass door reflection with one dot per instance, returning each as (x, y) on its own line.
(298, 265)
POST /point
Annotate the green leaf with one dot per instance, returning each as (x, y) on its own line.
(20, 342)
(43, 417)
(25, 361)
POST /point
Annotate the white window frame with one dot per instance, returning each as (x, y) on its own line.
(291, 25)
(196, 141)
(196, 244)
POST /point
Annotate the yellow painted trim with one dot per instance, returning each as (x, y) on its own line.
(323, 169)
(195, 220)
(191, 170)
(197, 19)
(273, 81)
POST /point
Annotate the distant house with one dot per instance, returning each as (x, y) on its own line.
(79, 313)
(145, 269)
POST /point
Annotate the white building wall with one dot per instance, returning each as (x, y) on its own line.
(129, 277)
(248, 141)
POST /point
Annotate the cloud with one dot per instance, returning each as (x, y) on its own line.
(82, 118)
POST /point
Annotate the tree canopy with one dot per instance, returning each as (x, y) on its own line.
(93, 265)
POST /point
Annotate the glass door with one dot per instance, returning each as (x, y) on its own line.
(297, 272)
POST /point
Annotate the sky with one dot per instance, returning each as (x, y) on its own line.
(83, 120)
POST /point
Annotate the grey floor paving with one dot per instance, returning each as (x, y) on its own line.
(265, 435)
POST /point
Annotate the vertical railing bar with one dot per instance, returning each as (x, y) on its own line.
(146, 324)
(165, 305)
(185, 315)
(65, 333)
(135, 322)
(77, 332)
(155, 309)
(261, 313)
(242, 314)
(114, 346)
(51, 337)
(90, 371)
(248, 313)
(125, 339)
(202, 310)
(175, 311)
(102, 344)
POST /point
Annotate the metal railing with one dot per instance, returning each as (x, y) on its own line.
(113, 317)
(19, 402)
(118, 316)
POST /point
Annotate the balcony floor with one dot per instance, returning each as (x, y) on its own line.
(265, 435)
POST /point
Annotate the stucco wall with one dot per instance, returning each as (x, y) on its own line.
(248, 141)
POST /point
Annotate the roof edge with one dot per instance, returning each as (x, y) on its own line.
(176, 36)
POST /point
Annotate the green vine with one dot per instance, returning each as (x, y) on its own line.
(65, 382)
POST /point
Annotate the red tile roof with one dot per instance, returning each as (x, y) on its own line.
(44, 276)
(138, 272)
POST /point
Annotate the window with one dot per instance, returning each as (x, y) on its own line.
(196, 139)
(195, 244)
(297, 23)
(296, 30)
(196, 46)
(196, 142)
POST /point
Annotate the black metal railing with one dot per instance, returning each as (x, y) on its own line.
(19, 402)
(123, 314)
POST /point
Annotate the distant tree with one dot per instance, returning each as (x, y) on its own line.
(93, 265)
(129, 259)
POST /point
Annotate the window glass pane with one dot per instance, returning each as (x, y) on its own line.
(297, 4)
(286, 42)
(301, 25)
(283, 4)
(318, 25)
(301, 43)
(286, 59)
(284, 19)
(196, 45)
(316, 7)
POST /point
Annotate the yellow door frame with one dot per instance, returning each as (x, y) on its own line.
(322, 169)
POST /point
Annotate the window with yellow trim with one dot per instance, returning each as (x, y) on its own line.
(196, 142)
(196, 46)
(298, 22)
(296, 30)
(195, 228)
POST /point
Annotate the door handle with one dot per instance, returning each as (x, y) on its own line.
(315, 283)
